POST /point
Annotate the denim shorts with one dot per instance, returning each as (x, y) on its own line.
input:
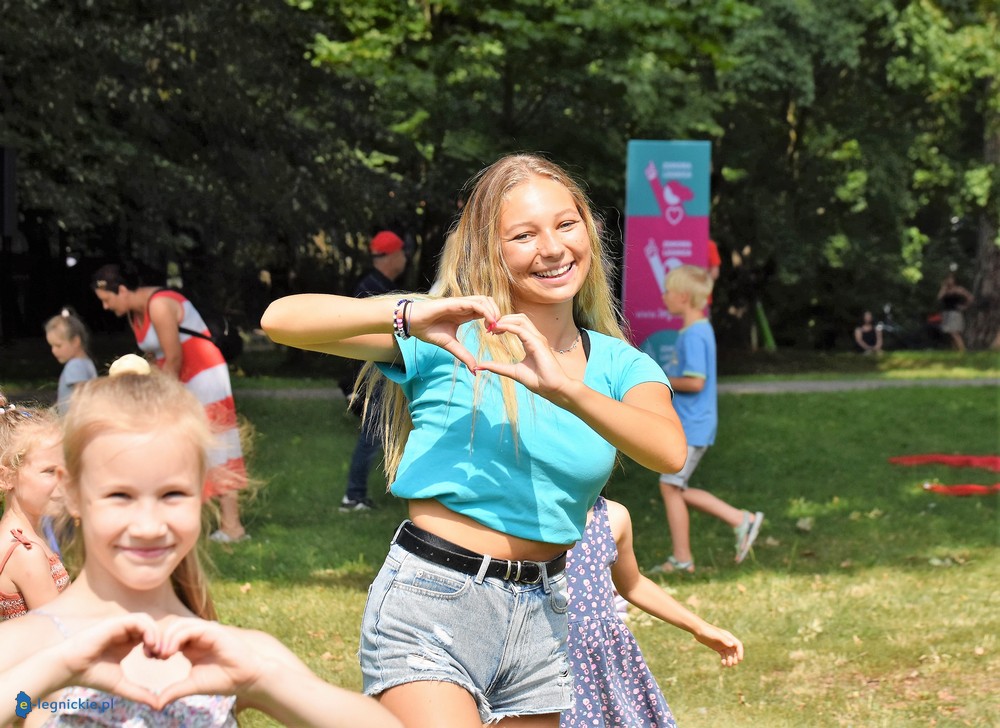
(680, 480)
(503, 642)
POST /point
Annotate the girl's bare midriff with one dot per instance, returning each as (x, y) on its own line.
(461, 530)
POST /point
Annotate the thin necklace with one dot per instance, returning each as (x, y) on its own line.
(569, 348)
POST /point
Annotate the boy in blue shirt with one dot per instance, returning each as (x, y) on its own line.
(692, 374)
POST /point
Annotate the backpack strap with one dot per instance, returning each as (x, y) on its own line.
(182, 329)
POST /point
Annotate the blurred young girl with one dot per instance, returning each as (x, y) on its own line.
(612, 683)
(136, 447)
(69, 339)
(30, 465)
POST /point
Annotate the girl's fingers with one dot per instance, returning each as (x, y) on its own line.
(457, 350)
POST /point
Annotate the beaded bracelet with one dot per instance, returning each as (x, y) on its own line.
(407, 307)
(400, 324)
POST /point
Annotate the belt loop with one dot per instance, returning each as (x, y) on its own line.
(482, 569)
(398, 529)
(544, 569)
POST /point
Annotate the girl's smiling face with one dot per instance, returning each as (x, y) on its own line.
(545, 243)
(139, 502)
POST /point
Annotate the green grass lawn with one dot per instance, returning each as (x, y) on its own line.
(883, 613)
(867, 602)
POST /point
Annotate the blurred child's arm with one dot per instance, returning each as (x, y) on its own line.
(30, 571)
(91, 658)
(687, 384)
(650, 598)
(265, 675)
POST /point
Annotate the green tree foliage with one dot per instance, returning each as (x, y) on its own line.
(178, 131)
(460, 83)
(855, 145)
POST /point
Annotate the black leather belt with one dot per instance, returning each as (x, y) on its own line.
(444, 553)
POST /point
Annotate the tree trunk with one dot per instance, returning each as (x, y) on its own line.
(983, 329)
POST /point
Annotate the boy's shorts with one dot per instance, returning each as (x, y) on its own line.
(503, 642)
(680, 480)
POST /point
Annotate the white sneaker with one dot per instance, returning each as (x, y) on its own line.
(221, 536)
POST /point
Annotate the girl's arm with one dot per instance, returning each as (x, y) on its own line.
(362, 328)
(650, 598)
(643, 425)
(91, 658)
(30, 571)
(263, 674)
(165, 316)
(687, 384)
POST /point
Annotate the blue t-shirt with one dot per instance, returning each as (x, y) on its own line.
(694, 356)
(538, 488)
(74, 372)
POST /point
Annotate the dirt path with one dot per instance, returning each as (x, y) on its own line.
(764, 387)
(768, 387)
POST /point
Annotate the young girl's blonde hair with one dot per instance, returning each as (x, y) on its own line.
(692, 280)
(474, 266)
(141, 403)
(21, 427)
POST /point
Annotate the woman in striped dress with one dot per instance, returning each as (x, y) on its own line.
(157, 317)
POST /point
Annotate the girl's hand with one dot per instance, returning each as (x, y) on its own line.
(222, 660)
(93, 657)
(729, 648)
(436, 321)
(539, 371)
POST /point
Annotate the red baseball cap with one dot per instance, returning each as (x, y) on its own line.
(386, 242)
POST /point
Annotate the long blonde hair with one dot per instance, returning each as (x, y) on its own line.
(475, 265)
(142, 403)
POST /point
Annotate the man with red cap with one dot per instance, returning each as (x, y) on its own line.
(388, 263)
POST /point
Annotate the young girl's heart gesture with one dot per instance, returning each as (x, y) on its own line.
(138, 617)
(437, 321)
(539, 370)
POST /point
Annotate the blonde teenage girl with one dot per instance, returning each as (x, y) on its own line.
(31, 460)
(136, 622)
(510, 394)
(68, 338)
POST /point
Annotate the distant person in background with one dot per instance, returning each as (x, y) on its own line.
(69, 338)
(693, 376)
(954, 300)
(868, 336)
(388, 263)
(714, 267)
(156, 316)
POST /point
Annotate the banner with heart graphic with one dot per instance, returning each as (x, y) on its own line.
(667, 201)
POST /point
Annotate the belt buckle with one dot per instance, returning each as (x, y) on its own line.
(538, 578)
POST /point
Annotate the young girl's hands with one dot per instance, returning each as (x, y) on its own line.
(436, 321)
(93, 657)
(729, 648)
(539, 371)
(222, 660)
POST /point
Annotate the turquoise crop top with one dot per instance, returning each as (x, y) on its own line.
(540, 490)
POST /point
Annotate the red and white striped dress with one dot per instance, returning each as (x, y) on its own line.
(206, 375)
